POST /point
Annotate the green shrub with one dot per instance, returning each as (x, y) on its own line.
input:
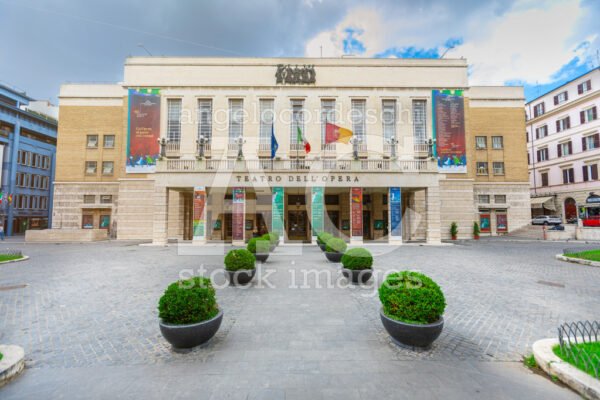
(323, 237)
(274, 235)
(358, 258)
(335, 245)
(453, 229)
(239, 259)
(258, 245)
(270, 238)
(476, 229)
(411, 297)
(188, 302)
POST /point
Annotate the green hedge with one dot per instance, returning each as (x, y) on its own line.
(335, 245)
(358, 258)
(258, 245)
(323, 237)
(274, 235)
(188, 302)
(269, 237)
(239, 259)
(411, 297)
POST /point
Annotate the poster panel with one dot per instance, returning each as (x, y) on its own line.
(277, 204)
(396, 213)
(501, 225)
(449, 131)
(143, 131)
(356, 210)
(317, 210)
(198, 207)
(484, 222)
(238, 213)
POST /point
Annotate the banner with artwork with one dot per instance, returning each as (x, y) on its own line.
(357, 212)
(317, 210)
(449, 131)
(198, 219)
(396, 213)
(143, 131)
(277, 203)
(239, 200)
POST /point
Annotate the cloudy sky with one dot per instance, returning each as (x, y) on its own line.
(536, 43)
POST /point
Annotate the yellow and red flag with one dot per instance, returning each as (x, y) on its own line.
(334, 133)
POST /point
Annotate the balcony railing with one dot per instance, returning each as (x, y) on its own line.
(172, 148)
(299, 165)
(207, 149)
(421, 148)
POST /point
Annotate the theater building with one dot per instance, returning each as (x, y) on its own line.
(216, 149)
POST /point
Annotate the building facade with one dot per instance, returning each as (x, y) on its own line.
(219, 176)
(563, 144)
(27, 148)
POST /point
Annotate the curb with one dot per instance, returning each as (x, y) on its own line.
(12, 363)
(24, 258)
(578, 261)
(582, 383)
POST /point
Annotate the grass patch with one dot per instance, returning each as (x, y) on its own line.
(530, 362)
(1, 356)
(8, 257)
(592, 255)
(590, 348)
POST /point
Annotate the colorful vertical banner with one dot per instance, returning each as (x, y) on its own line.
(239, 199)
(501, 225)
(449, 131)
(396, 213)
(316, 204)
(277, 204)
(198, 207)
(143, 131)
(356, 212)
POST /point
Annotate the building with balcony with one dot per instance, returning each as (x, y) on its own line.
(27, 158)
(405, 175)
(563, 146)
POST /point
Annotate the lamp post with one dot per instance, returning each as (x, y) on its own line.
(430, 148)
(163, 146)
(355, 141)
(393, 142)
(240, 142)
(200, 142)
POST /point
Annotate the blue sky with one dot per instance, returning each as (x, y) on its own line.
(539, 44)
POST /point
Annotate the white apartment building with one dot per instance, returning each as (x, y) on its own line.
(563, 146)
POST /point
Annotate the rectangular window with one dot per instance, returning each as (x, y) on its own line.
(87, 221)
(482, 168)
(92, 141)
(544, 178)
(561, 97)
(590, 142)
(500, 198)
(568, 175)
(297, 120)
(498, 168)
(563, 124)
(20, 157)
(542, 154)
(327, 116)
(480, 142)
(584, 87)
(564, 149)
(205, 119)
(235, 119)
(419, 121)
(109, 141)
(590, 172)
(483, 199)
(497, 142)
(588, 115)
(358, 119)
(267, 116)
(107, 167)
(541, 132)
(89, 198)
(91, 167)
(106, 198)
(174, 120)
(332, 199)
(538, 110)
(388, 120)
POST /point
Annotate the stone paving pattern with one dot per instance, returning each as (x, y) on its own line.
(90, 310)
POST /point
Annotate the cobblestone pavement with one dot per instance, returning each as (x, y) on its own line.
(88, 322)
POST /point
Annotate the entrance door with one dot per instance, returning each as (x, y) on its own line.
(366, 224)
(570, 209)
(332, 224)
(228, 226)
(297, 225)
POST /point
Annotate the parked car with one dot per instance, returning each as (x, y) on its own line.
(546, 220)
(591, 221)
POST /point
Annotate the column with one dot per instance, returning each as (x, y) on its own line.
(277, 208)
(239, 212)
(395, 215)
(316, 215)
(432, 200)
(161, 216)
(12, 176)
(199, 217)
(356, 215)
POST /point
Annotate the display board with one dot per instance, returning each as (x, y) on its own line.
(396, 213)
(143, 131)
(317, 210)
(277, 204)
(198, 206)
(239, 199)
(449, 131)
(356, 210)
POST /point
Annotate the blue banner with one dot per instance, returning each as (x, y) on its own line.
(396, 213)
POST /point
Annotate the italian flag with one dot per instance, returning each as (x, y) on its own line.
(302, 139)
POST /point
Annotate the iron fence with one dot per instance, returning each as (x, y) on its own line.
(571, 336)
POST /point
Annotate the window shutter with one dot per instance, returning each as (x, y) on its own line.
(585, 173)
(565, 176)
(537, 133)
(594, 113)
(557, 126)
(556, 100)
(559, 150)
(568, 122)
(538, 155)
(566, 96)
(570, 147)
(589, 85)
(535, 112)
(580, 88)
(597, 140)
(583, 144)
(543, 108)
(571, 175)
(595, 172)
(582, 117)
(545, 179)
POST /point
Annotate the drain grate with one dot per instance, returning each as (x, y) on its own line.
(13, 287)
(553, 284)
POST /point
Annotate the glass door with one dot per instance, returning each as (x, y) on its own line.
(297, 225)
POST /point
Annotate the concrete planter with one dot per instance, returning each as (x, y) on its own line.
(192, 335)
(262, 257)
(321, 246)
(357, 275)
(12, 363)
(334, 257)
(412, 335)
(272, 247)
(241, 277)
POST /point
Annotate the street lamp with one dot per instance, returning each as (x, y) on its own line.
(240, 142)
(393, 142)
(430, 148)
(201, 141)
(162, 142)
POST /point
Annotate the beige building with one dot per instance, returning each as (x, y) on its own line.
(217, 116)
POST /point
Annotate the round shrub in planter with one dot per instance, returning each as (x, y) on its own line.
(412, 308)
(239, 266)
(274, 238)
(260, 248)
(357, 265)
(334, 249)
(189, 313)
(271, 239)
(322, 238)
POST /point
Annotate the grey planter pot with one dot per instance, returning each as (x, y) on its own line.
(240, 277)
(188, 336)
(334, 257)
(412, 335)
(272, 247)
(262, 257)
(322, 246)
(278, 240)
(357, 276)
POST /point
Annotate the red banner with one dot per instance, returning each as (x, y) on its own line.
(238, 213)
(356, 210)
(144, 131)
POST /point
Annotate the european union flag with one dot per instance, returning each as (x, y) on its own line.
(274, 145)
